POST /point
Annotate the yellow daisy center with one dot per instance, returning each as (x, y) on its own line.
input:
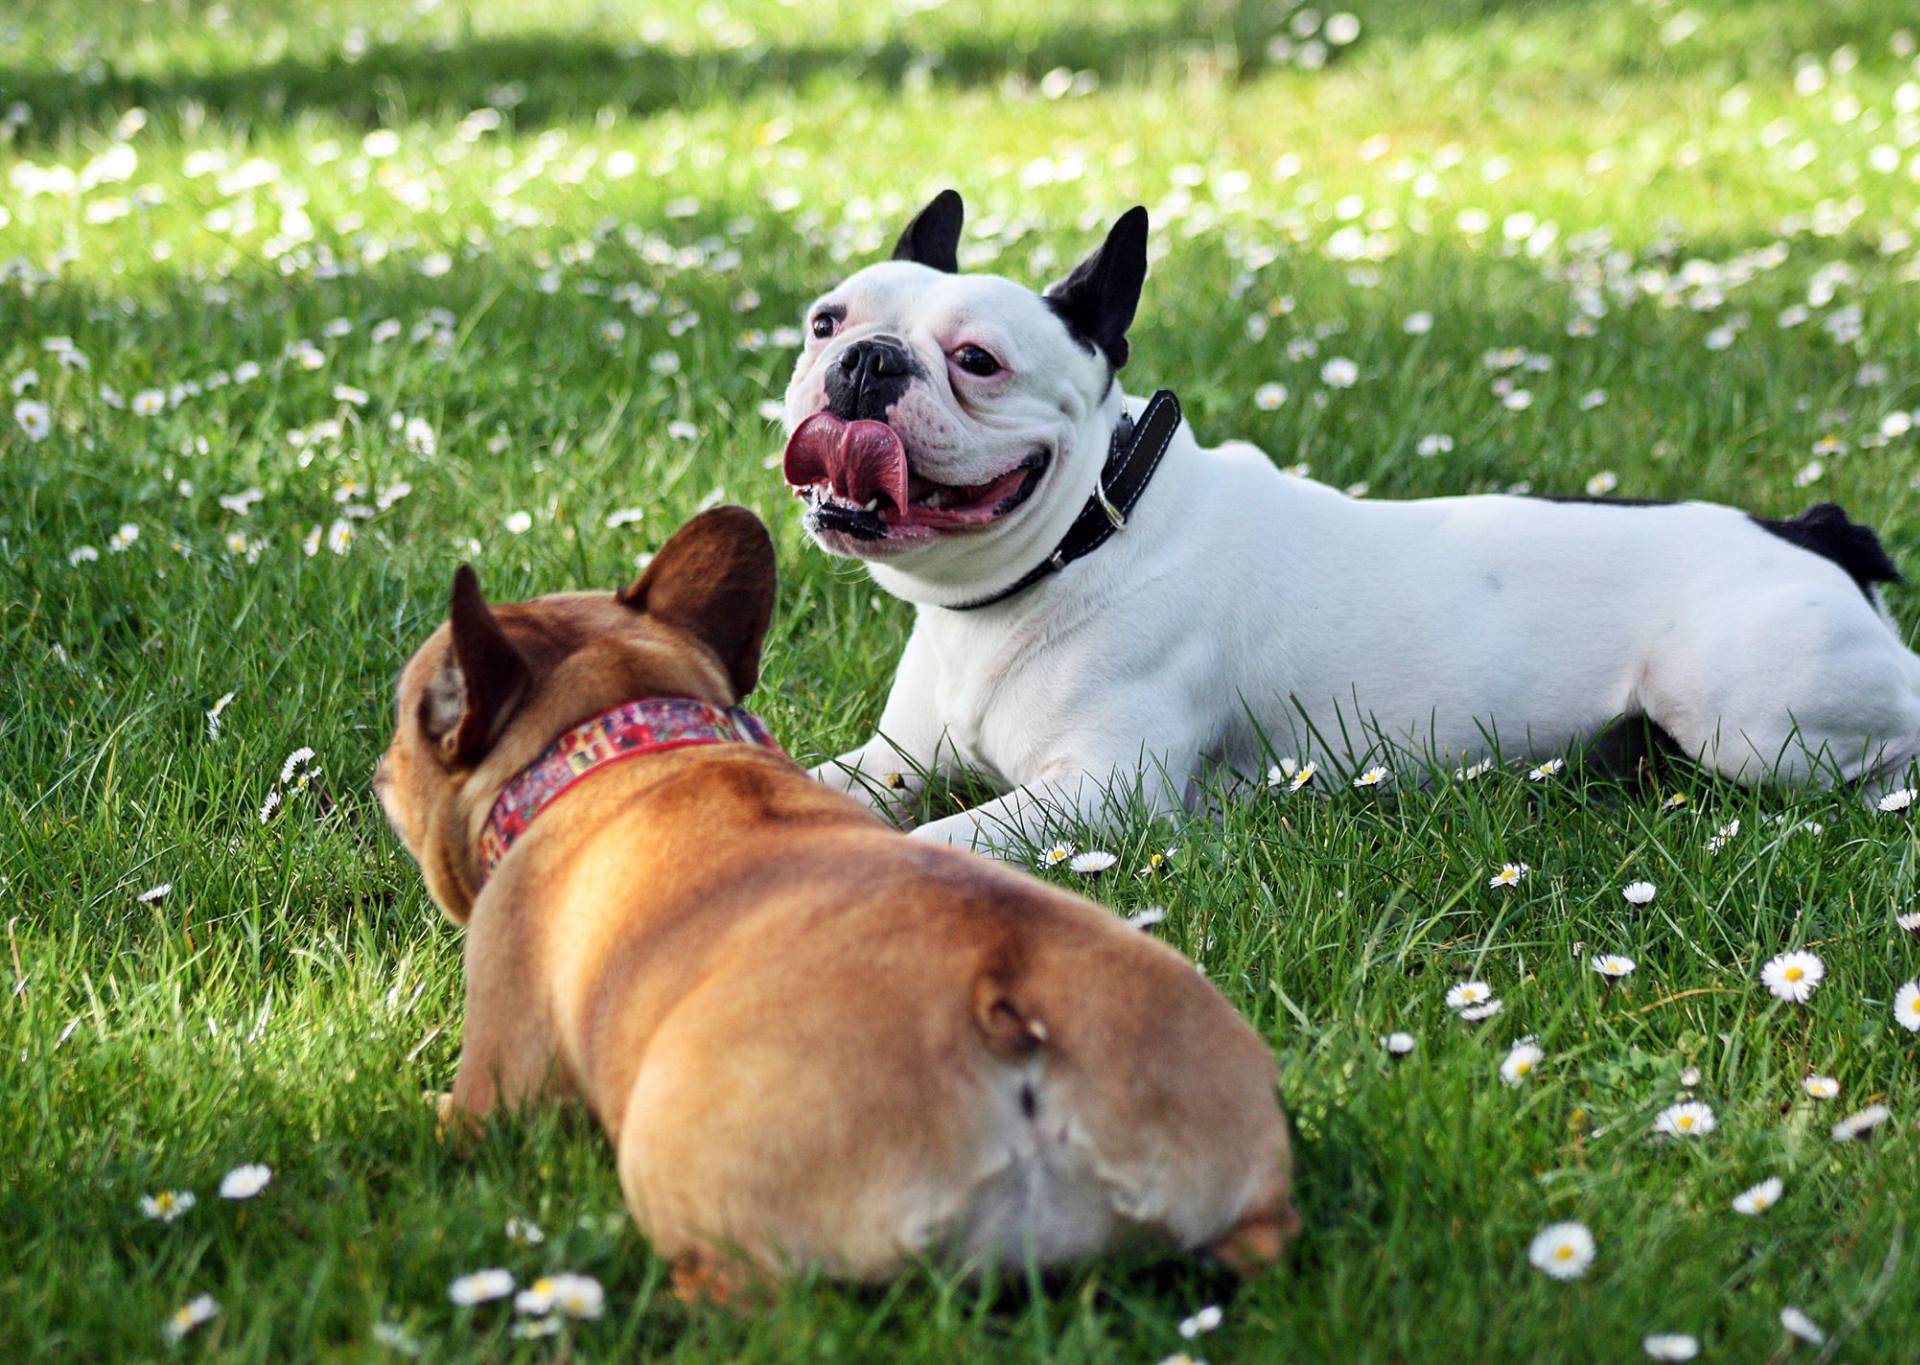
(163, 1202)
(1913, 1005)
(1563, 1252)
(1685, 1121)
(543, 1285)
(1794, 973)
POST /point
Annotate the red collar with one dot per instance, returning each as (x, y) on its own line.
(648, 726)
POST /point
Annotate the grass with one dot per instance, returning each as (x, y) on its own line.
(694, 176)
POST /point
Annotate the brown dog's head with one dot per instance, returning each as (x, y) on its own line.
(494, 686)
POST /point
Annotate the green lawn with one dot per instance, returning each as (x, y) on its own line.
(447, 282)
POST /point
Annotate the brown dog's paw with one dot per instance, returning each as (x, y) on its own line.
(452, 1127)
(705, 1277)
(1258, 1240)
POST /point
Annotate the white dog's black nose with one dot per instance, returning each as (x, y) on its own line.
(868, 377)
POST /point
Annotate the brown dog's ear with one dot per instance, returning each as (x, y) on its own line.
(486, 678)
(715, 579)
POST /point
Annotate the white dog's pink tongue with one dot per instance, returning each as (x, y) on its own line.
(859, 460)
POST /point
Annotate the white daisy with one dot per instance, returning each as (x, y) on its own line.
(1093, 862)
(1637, 893)
(1793, 976)
(1339, 373)
(1802, 1326)
(244, 1182)
(1302, 776)
(396, 1338)
(167, 1205)
(1545, 770)
(1759, 1198)
(1906, 1006)
(1475, 1014)
(1161, 860)
(340, 537)
(1670, 1346)
(82, 554)
(532, 1329)
(1562, 1250)
(1206, 1320)
(154, 893)
(1602, 483)
(524, 1232)
(1468, 993)
(1372, 777)
(1689, 1118)
(1473, 770)
(1896, 801)
(1398, 1044)
(35, 419)
(1861, 1122)
(1269, 396)
(190, 1315)
(1723, 835)
(149, 403)
(123, 538)
(481, 1286)
(570, 1295)
(1147, 918)
(1821, 1087)
(1509, 874)
(1909, 922)
(1674, 802)
(1520, 1062)
(1056, 855)
(626, 516)
(1415, 324)
(519, 523)
(1614, 965)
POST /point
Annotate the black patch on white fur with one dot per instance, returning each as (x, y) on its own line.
(869, 377)
(1097, 301)
(1602, 501)
(1824, 529)
(932, 239)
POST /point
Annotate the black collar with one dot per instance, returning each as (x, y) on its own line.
(1132, 459)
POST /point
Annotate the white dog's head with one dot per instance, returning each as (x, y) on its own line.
(947, 428)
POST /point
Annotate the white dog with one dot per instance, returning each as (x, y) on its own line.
(1107, 605)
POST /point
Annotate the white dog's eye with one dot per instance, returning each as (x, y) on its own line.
(976, 361)
(823, 325)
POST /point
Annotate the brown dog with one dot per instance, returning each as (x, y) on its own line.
(812, 1041)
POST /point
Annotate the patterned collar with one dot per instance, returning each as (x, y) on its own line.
(648, 726)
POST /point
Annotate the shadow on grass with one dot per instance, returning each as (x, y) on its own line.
(554, 76)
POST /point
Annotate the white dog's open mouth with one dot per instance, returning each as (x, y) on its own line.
(857, 481)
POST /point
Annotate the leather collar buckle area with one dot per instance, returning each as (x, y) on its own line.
(1133, 456)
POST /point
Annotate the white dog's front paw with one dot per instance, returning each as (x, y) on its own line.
(959, 831)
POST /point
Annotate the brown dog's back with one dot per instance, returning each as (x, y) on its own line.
(882, 1049)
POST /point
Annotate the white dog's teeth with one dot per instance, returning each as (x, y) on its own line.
(935, 499)
(873, 505)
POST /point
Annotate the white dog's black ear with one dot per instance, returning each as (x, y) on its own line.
(483, 681)
(933, 237)
(1098, 299)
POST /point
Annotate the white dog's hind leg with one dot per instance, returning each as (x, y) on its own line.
(1833, 697)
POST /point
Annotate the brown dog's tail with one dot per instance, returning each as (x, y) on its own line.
(1011, 1031)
